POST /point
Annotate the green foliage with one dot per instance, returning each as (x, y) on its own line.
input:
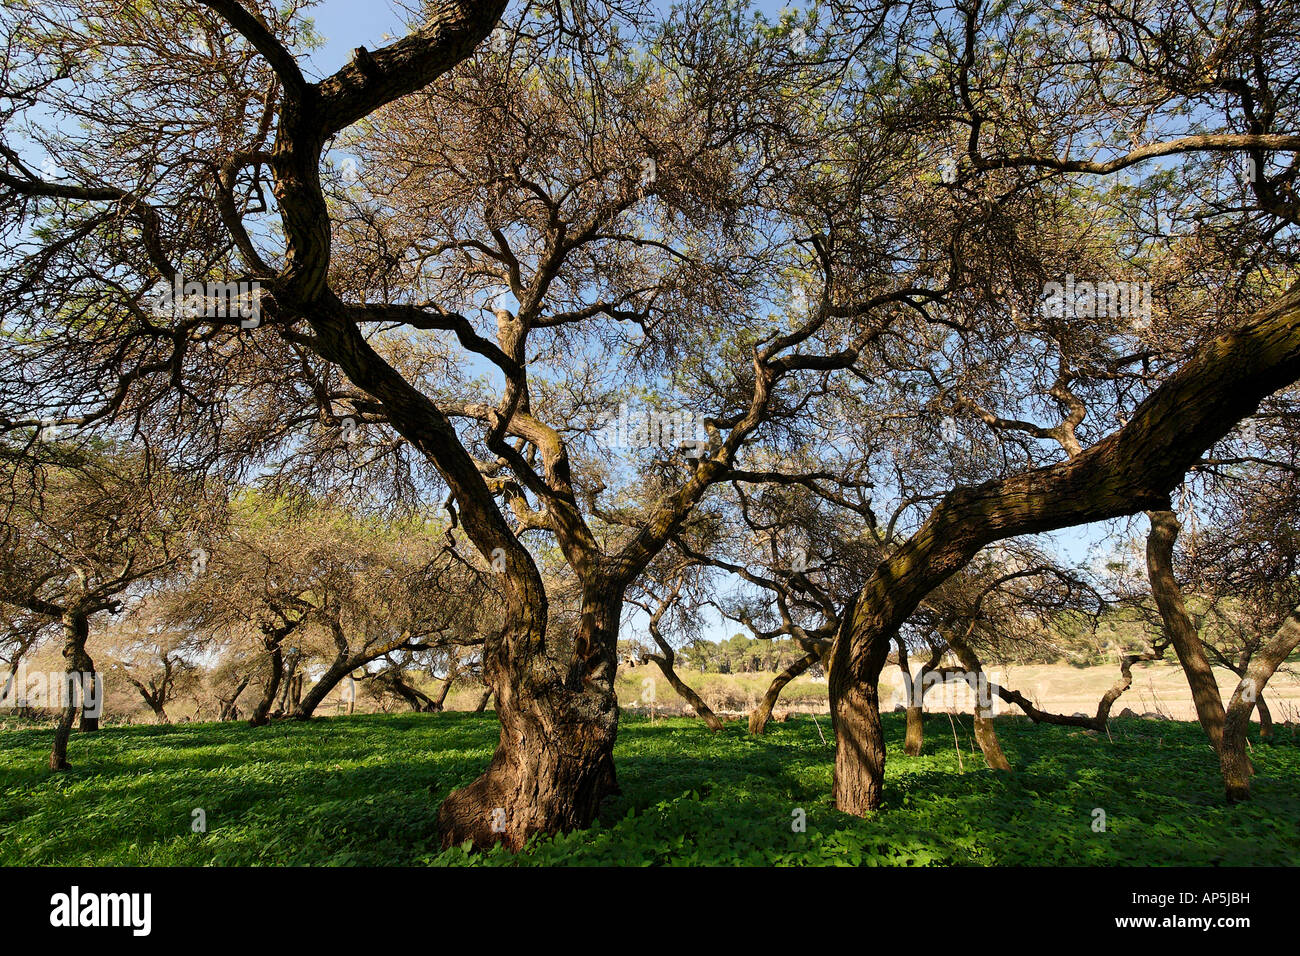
(365, 790)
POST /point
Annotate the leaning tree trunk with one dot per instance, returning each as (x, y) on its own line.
(320, 690)
(439, 702)
(1265, 718)
(1130, 470)
(76, 630)
(229, 705)
(481, 706)
(554, 759)
(986, 734)
(1232, 754)
(665, 662)
(761, 714)
(1178, 625)
(262, 712)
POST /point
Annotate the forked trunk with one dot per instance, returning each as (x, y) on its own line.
(1178, 624)
(761, 714)
(554, 760)
(986, 734)
(1232, 754)
(320, 690)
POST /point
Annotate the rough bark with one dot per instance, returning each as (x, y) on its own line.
(1131, 470)
(1232, 753)
(1178, 624)
(76, 630)
(90, 721)
(761, 714)
(855, 717)
(262, 712)
(986, 734)
(554, 758)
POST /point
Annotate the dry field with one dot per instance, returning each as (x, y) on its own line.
(1158, 687)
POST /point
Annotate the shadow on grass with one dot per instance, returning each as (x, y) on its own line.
(365, 790)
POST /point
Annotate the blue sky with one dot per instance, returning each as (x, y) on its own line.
(347, 24)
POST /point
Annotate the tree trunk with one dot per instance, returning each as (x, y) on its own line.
(320, 690)
(915, 691)
(763, 712)
(684, 690)
(261, 713)
(1232, 754)
(229, 706)
(986, 734)
(440, 701)
(481, 706)
(855, 717)
(1265, 718)
(76, 630)
(1131, 470)
(1178, 625)
(554, 760)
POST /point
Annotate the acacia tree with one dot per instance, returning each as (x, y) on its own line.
(82, 530)
(643, 245)
(158, 661)
(1190, 407)
(547, 226)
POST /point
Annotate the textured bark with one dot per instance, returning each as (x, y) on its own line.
(1178, 624)
(763, 712)
(262, 712)
(1131, 470)
(855, 716)
(986, 734)
(76, 630)
(1232, 754)
(554, 759)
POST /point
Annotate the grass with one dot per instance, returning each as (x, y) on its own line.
(365, 789)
